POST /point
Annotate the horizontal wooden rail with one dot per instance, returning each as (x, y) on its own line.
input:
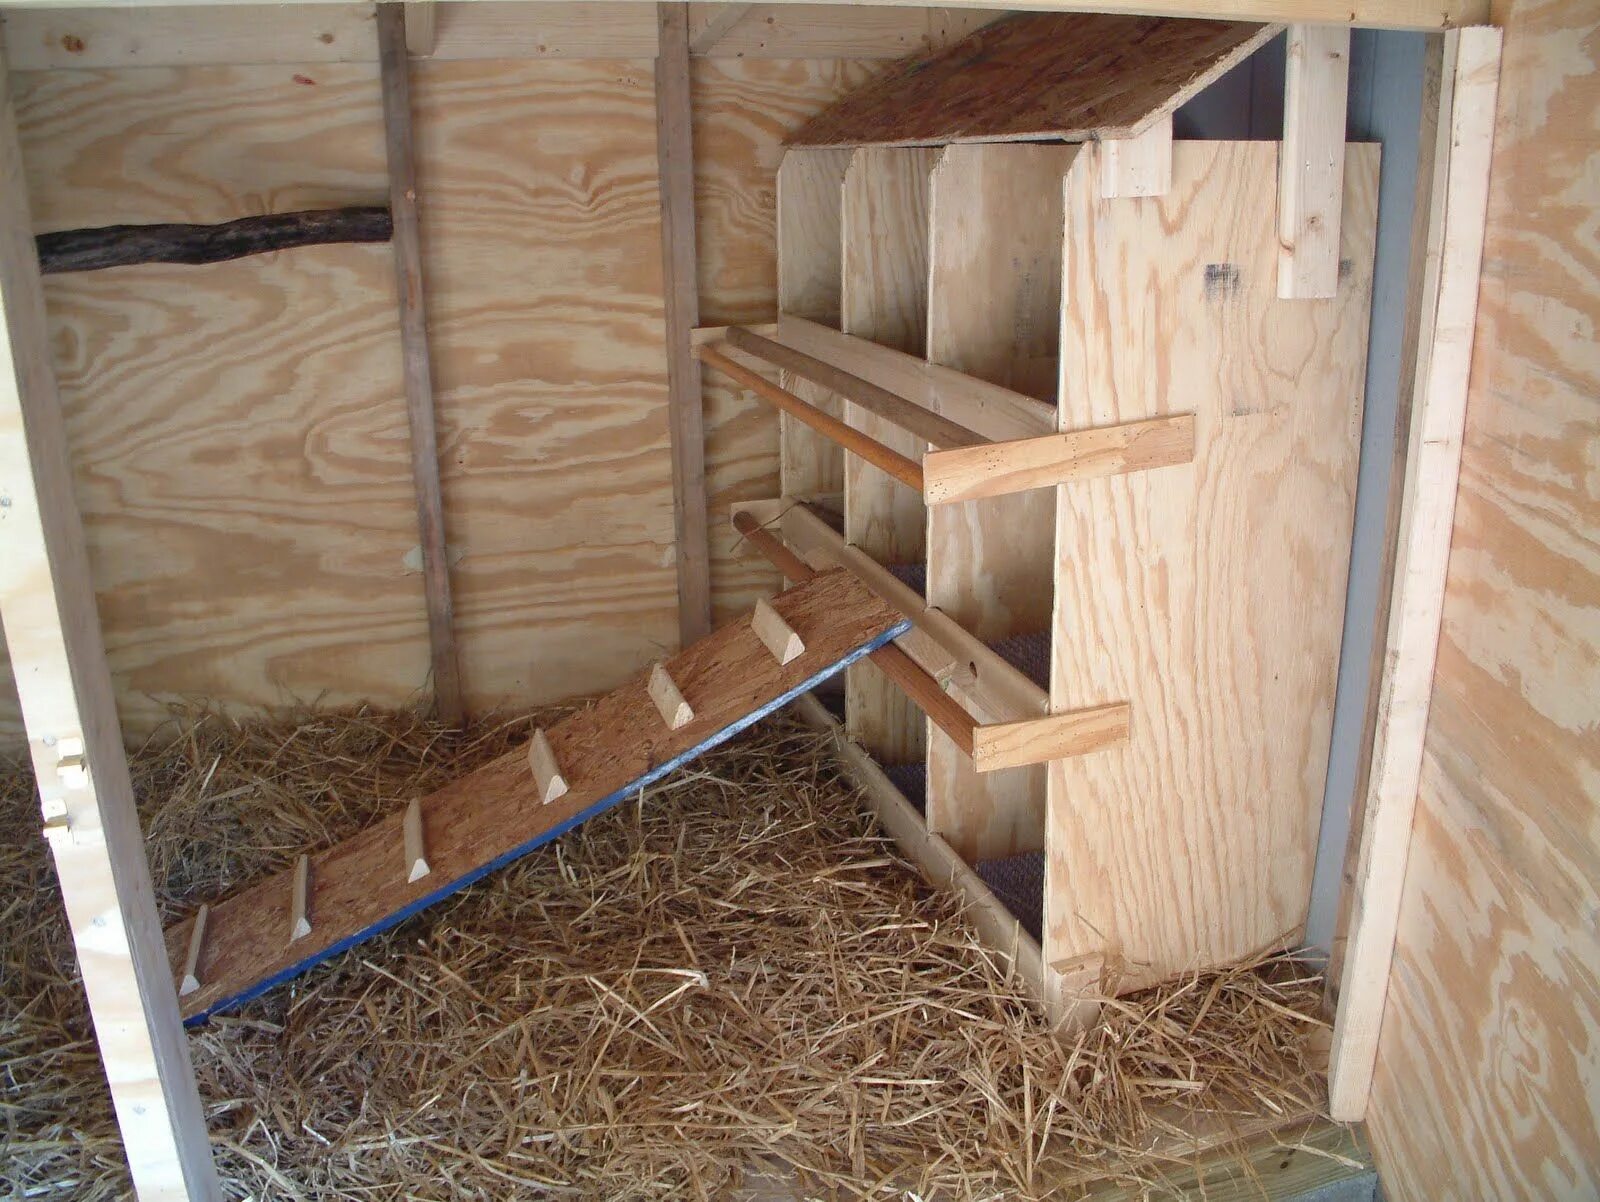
(1015, 744)
(125, 245)
(911, 417)
(942, 709)
(992, 689)
(998, 468)
(830, 427)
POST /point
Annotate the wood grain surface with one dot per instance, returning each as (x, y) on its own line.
(1490, 1049)
(994, 313)
(1040, 77)
(494, 815)
(238, 429)
(885, 300)
(1210, 595)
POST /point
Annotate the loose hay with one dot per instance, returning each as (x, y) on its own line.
(737, 972)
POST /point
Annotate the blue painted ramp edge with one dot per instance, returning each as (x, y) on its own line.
(516, 853)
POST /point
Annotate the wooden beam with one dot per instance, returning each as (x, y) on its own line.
(1137, 166)
(989, 410)
(422, 25)
(395, 82)
(685, 419)
(721, 19)
(490, 817)
(942, 710)
(52, 633)
(1462, 156)
(848, 437)
(991, 688)
(908, 415)
(998, 468)
(1311, 163)
(124, 245)
(1056, 737)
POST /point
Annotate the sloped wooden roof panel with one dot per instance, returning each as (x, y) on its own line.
(1040, 77)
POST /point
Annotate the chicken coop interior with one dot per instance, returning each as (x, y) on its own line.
(615, 600)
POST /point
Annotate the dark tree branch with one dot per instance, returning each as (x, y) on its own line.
(120, 245)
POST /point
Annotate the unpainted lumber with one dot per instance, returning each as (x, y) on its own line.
(1058, 736)
(1311, 163)
(551, 782)
(300, 899)
(775, 634)
(190, 982)
(1138, 166)
(674, 710)
(414, 845)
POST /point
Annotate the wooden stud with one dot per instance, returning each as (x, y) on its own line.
(300, 899)
(1059, 736)
(1137, 166)
(63, 684)
(1462, 156)
(675, 711)
(546, 771)
(775, 633)
(191, 960)
(908, 415)
(870, 449)
(416, 851)
(1000, 468)
(422, 26)
(395, 80)
(1311, 162)
(685, 418)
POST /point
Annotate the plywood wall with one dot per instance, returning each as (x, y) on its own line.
(239, 432)
(1489, 1059)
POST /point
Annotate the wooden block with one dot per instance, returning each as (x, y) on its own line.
(191, 960)
(779, 637)
(546, 772)
(1311, 164)
(416, 851)
(422, 23)
(1137, 166)
(1037, 740)
(675, 711)
(1000, 468)
(300, 899)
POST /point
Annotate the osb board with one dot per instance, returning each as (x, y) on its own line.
(220, 34)
(994, 297)
(743, 110)
(1490, 1049)
(884, 299)
(1040, 76)
(1210, 596)
(240, 430)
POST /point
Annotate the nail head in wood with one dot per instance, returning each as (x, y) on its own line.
(416, 852)
(191, 960)
(299, 900)
(675, 711)
(780, 638)
(546, 771)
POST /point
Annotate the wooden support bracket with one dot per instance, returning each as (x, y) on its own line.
(546, 771)
(1078, 732)
(1137, 166)
(675, 711)
(1311, 163)
(416, 849)
(999, 468)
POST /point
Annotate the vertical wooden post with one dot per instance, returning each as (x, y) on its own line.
(52, 630)
(418, 366)
(686, 422)
(422, 26)
(1311, 163)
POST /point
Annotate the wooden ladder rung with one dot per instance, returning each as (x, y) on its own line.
(780, 637)
(546, 771)
(675, 711)
(191, 960)
(300, 900)
(416, 850)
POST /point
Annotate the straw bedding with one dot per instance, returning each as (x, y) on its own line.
(735, 976)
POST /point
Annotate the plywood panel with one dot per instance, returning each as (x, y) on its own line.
(1490, 1048)
(885, 300)
(994, 296)
(1209, 595)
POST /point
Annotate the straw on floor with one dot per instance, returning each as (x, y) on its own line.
(736, 971)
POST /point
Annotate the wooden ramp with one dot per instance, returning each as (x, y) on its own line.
(334, 899)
